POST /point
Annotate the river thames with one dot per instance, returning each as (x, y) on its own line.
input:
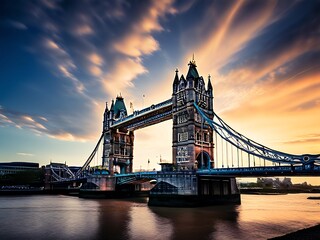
(67, 217)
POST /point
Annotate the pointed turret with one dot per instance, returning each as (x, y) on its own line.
(107, 109)
(209, 83)
(112, 106)
(192, 75)
(192, 72)
(106, 112)
(119, 108)
(210, 93)
(111, 110)
(176, 81)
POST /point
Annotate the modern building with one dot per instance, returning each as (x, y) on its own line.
(16, 167)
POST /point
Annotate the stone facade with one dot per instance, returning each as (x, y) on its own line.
(118, 143)
(192, 140)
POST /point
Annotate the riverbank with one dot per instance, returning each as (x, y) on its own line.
(276, 191)
(35, 191)
(306, 233)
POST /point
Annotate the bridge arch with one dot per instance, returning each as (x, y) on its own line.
(203, 160)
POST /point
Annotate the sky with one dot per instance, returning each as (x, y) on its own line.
(61, 61)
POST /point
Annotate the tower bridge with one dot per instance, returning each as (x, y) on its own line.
(192, 147)
(207, 154)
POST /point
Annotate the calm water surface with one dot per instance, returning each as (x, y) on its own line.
(64, 217)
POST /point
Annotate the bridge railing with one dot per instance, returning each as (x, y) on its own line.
(261, 171)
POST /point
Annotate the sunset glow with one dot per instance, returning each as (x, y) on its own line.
(62, 60)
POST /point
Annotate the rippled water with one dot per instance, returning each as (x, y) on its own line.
(64, 217)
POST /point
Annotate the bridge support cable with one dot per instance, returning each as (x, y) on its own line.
(216, 149)
(253, 148)
(238, 157)
(227, 159)
(232, 156)
(222, 152)
(87, 163)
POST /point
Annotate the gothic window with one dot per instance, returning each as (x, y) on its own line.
(182, 137)
(181, 85)
(182, 118)
(205, 137)
(197, 117)
(182, 154)
(198, 136)
(181, 98)
(122, 151)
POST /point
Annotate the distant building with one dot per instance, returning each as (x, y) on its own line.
(16, 167)
(274, 183)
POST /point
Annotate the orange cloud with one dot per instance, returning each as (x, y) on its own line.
(64, 136)
(135, 45)
(84, 30)
(222, 43)
(52, 45)
(281, 115)
(95, 59)
(122, 75)
(96, 71)
(150, 20)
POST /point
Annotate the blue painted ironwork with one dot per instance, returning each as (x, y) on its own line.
(251, 147)
(300, 165)
(304, 170)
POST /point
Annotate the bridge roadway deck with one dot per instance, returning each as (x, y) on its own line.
(148, 116)
(234, 172)
(230, 172)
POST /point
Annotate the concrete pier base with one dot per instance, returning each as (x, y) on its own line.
(173, 189)
(190, 190)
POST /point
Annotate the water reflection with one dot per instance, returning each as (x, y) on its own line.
(62, 217)
(198, 223)
(46, 217)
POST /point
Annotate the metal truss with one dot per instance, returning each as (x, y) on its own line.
(66, 171)
(251, 147)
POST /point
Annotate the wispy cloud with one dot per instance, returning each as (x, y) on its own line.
(261, 55)
(17, 24)
(25, 154)
(96, 64)
(137, 42)
(42, 126)
(124, 72)
(63, 62)
(311, 138)
(84, 30)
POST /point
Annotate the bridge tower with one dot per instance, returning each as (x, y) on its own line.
(118, 142)
(192, 145)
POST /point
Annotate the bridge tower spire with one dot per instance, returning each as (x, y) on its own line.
(192, 146)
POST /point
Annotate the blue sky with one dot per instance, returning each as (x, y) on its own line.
(62, 60)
